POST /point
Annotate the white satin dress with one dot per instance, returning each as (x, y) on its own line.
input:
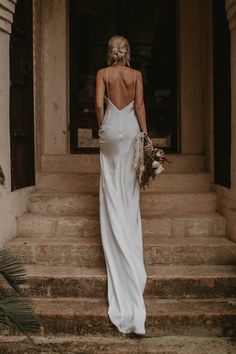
(120, 219)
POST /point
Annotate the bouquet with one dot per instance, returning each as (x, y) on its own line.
(147, 163)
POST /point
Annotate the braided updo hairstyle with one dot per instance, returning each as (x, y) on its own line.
(118, 51)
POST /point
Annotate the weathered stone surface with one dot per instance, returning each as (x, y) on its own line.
(89, 183)
(162, 282)
(68, 344)
(215, 317)
(76, 251)
(171, 225)
(151, 204)
(180, 163)
(191, 282)
(95, 344)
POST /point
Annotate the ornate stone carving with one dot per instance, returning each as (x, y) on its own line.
(230, 6)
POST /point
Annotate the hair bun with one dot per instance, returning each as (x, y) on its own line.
(118, 51)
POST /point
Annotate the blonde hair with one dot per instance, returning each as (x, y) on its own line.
(118, 51)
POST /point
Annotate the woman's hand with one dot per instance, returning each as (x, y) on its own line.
(149, 145)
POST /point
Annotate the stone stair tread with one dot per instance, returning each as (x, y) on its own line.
(159, 271)
(155, 307)
(80, 215)
(81, 173)
(148, 239)
(44, 193)
(92, 344)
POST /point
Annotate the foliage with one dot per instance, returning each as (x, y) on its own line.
(12, 309)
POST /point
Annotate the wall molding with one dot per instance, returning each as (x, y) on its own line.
(230, 6)
(7, 10)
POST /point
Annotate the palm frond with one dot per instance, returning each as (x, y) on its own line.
(13, 310)
(4, 322)
(11, 270)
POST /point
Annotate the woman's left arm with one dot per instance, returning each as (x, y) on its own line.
(100, 90)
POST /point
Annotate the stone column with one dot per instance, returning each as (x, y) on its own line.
(55, 93)
(191, 77)
(230, 6)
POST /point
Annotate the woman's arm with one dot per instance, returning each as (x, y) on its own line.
(100, 90)
(140, 106)
(139, 103)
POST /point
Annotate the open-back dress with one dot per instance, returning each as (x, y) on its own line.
(120, 218)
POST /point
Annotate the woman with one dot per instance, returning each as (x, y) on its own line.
(120, 219)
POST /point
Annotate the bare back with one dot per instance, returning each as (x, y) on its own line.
(120, 83)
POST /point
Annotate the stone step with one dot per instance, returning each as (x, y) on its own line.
(78, 251)
(94, 344)
(211, 317)
(172, 225)
(89, 182)
(151, 204)
(162, 281)
(90, 163)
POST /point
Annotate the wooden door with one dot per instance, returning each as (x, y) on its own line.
(222, 95)
(151, 28)
(21, 97)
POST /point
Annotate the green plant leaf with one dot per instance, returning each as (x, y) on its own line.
(11, 270)
(14, 311)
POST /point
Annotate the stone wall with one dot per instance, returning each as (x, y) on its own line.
(56, 78)
(12, 204)
(38, 80)
(191, 66)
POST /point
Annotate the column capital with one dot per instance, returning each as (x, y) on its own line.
(230, 6)
(7, 10)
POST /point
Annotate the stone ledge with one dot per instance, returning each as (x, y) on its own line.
(230, 6)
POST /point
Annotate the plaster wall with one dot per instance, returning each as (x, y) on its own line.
(55, 93)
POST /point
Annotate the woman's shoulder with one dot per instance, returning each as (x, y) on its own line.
(100, 71)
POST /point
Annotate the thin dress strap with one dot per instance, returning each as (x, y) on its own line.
(134, 81)
(107, 82)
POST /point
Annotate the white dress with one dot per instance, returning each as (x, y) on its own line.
(120, 219)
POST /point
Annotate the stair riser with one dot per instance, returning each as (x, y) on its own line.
(118, 345)
(62, 226)
(92, 255)
(90, 183)
(160, 325)
(154, 204)
(161, 288)
(90, 163)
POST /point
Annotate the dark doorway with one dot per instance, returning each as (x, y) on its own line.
(151, 28)
(222, 94)
(21, 97)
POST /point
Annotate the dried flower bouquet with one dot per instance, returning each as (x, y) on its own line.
(147, 163)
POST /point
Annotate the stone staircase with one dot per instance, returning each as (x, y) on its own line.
(191, 288)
